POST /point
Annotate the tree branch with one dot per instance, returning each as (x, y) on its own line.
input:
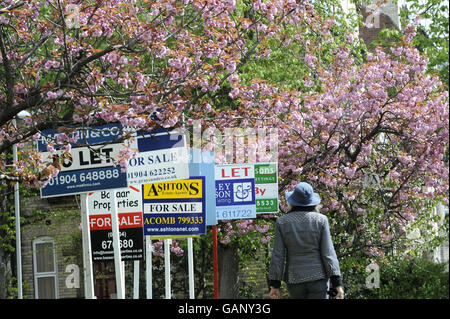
(9, 72)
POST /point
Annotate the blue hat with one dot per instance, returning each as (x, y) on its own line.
(303, 195)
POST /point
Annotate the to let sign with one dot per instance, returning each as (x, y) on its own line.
(129, 208)
(87, 168)
(235, 191)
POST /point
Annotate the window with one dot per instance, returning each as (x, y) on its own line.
(45, 269)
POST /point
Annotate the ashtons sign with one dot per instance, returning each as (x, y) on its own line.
(182, 189)
(235, 191)
(129, 208)
(174, 207)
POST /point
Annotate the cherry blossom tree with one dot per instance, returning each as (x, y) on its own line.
(369, 133)
(140, 63)
(373, 142)
(372, 138)
(143, 64)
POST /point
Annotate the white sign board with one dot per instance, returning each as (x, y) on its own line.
(161, 157)
(266, 186)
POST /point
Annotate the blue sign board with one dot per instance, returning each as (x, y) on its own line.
(84, 181)
(108, 133)
(202, 164)
(235, 191)
(173, 208)
(87, 169)
(161, 141)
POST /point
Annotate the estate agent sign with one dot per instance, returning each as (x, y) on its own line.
(129, 208)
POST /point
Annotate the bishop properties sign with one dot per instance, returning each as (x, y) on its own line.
(129, 208)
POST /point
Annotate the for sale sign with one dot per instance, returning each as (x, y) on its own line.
(235, 191)
(175, 207)
(161, 157)
(129, 208)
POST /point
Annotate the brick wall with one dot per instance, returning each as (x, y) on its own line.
(61, 225)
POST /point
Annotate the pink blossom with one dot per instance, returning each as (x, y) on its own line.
(3, 20)
(309, 59)
(265, 239)
(61, 138)
(177, 250)
(225, 240)
(51, 64)
(234, 93)
(52, 95)
(350, 172)
(384, 117)
(231, 66)
(408, 216)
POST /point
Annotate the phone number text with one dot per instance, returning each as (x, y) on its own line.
(84, 177)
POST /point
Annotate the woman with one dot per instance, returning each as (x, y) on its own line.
(302, 237)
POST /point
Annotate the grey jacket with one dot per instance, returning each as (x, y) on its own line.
(303, 250)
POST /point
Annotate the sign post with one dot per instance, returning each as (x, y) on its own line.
(116, 244)
(90, 167)
(17, 221)
(167, 243)
(129, 208)
(191, 267)
(174, 208)
(87, 169)
(136, 280)
(148, 266)
(161, 157)
(207, 170)
(215, 262)
(87, 254)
